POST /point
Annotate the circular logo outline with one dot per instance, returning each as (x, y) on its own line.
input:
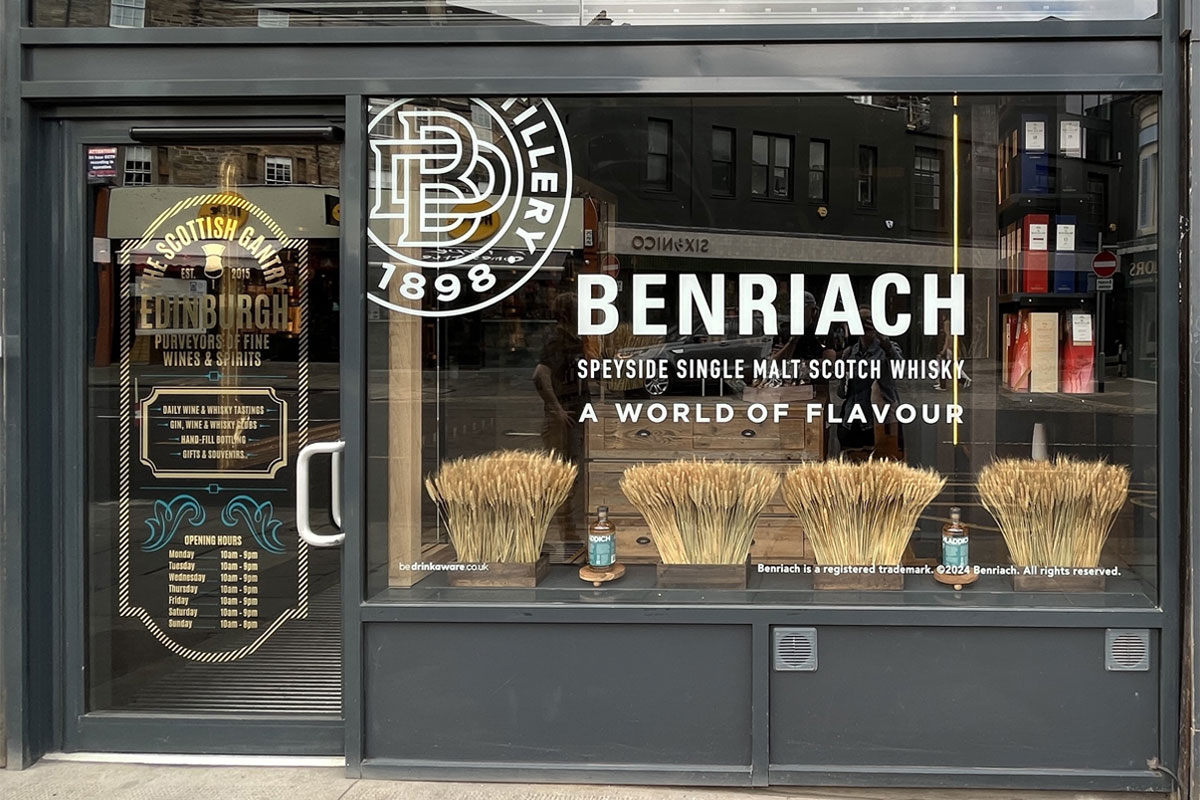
(542, 258)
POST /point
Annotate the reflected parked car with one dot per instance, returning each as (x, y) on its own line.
(730, 347)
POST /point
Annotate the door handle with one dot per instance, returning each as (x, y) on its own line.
(303, 526)
(335, 489)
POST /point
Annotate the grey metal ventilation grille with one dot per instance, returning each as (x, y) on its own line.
(795, 649)
(1127, 650)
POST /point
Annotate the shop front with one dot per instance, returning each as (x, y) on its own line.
(630, 402)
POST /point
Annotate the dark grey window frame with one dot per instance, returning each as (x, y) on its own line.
(731, 162)
(871, 177)
(772, 140)
(54, 75)
(667, 183)
(824, 198)
(919, 215)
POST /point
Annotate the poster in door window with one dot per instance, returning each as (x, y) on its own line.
(213, 410)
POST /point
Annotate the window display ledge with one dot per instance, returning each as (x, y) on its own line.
(563, 587)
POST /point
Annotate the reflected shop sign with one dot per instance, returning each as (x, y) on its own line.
(209, 425)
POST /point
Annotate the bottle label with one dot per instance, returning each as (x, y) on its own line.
(602, 549)
(954, 552)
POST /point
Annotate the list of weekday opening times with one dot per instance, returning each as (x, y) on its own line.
(193, 573)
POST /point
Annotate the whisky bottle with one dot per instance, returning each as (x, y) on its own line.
(602, 542)
(955, 544)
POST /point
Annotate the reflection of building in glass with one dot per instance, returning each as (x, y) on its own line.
(143, 165)
(1137, 237)
(178, 13)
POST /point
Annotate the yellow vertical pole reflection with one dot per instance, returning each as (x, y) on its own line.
(954, 257)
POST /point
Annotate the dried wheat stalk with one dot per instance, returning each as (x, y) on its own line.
(1054, 513)
(700, 512)
(497, 507)
(859, 513)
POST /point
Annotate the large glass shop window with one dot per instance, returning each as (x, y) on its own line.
(623, 350)
(213, 358)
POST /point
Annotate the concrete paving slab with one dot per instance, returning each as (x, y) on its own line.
(75, 780)
(53, 780)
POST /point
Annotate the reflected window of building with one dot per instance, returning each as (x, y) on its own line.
(771, 166)
(927, 188)
(270, 18)
(91, 13)
(278, 169)
(818, 170)
(1148, 169)
(482, 122)
(127, 14)
(658, 155)
(138, 166)
(722, 162)
(868, 161)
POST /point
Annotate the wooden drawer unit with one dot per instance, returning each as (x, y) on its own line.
(802, 441)
(792, 439)
(777, 540)
(737, 435)
(611, 437)
(604, 488)
(614, 446)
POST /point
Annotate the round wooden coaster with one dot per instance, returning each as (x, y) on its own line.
(957, 581)
(599, 576)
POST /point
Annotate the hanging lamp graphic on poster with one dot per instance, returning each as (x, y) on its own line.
(210, 420)
(468, 200)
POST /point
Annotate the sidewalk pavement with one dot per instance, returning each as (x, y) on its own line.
(73, 780)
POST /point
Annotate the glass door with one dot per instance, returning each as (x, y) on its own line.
(212, 360)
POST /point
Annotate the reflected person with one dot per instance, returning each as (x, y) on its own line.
(865, 436)
(557, 383)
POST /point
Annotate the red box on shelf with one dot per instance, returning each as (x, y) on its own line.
(1035, 267)
(1078, 363)
(1019, 354)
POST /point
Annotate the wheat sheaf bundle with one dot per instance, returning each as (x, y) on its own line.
(497, 507)
(700, 512)
(859, 513)
(1054, 513)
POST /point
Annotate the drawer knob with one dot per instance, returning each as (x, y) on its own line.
(749, 433)
(643, 433)
(643, 540)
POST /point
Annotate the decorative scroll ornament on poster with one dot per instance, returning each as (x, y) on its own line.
(467, 201)
(210, 420)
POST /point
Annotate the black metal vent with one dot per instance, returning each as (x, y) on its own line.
(795, 649)
(1127, 650)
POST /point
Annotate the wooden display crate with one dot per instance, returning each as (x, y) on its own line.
(1059, 583)
(702, 576)
(857, 581)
